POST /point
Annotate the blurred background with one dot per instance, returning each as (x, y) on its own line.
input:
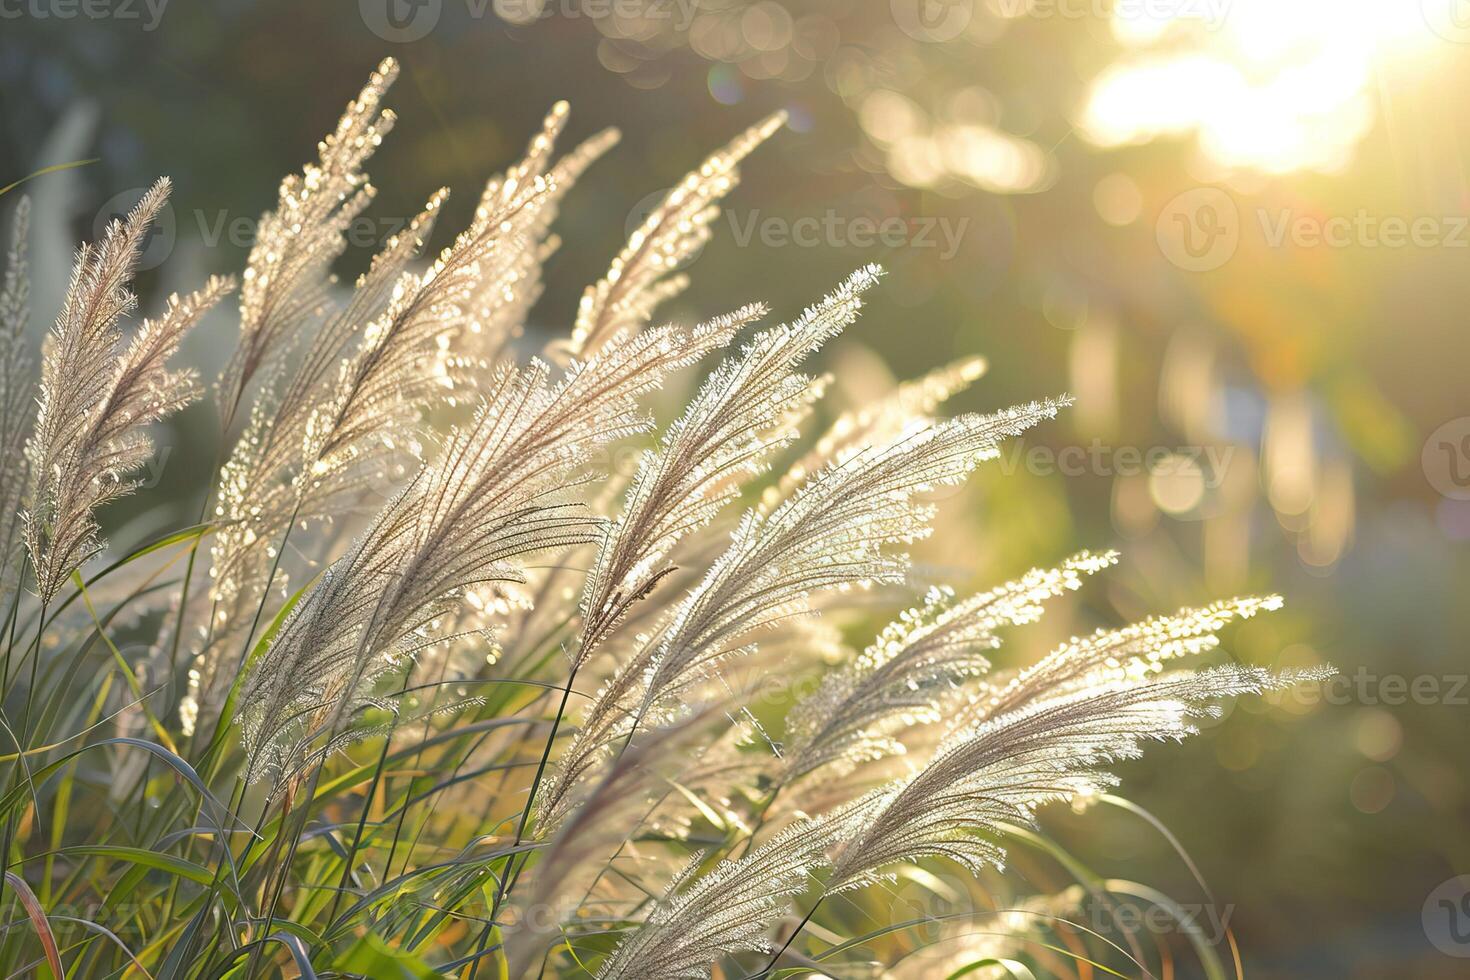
(1237, 230)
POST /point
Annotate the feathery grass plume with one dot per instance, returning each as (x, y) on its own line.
(729, 909)
(882, 421)
(509, 289)
(1001, 770)
(746, 408)
(289, 268)
(17, 404)
(283, 468)
(674, 231)
(495, 494)
(638, 279)
(690, 609)
(281, 464)
(1130, 653)
(574, 870)
(832, 534)
(674, 491)
(1005, 938)
(346, 421)
(96, 402)
(916, 668)
(413, 344)
(740, 756)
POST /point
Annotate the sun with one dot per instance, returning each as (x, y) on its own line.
(1273, 86)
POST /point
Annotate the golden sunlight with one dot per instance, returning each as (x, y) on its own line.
(1266, 85)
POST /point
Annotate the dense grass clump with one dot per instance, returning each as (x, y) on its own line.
(439, 686)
